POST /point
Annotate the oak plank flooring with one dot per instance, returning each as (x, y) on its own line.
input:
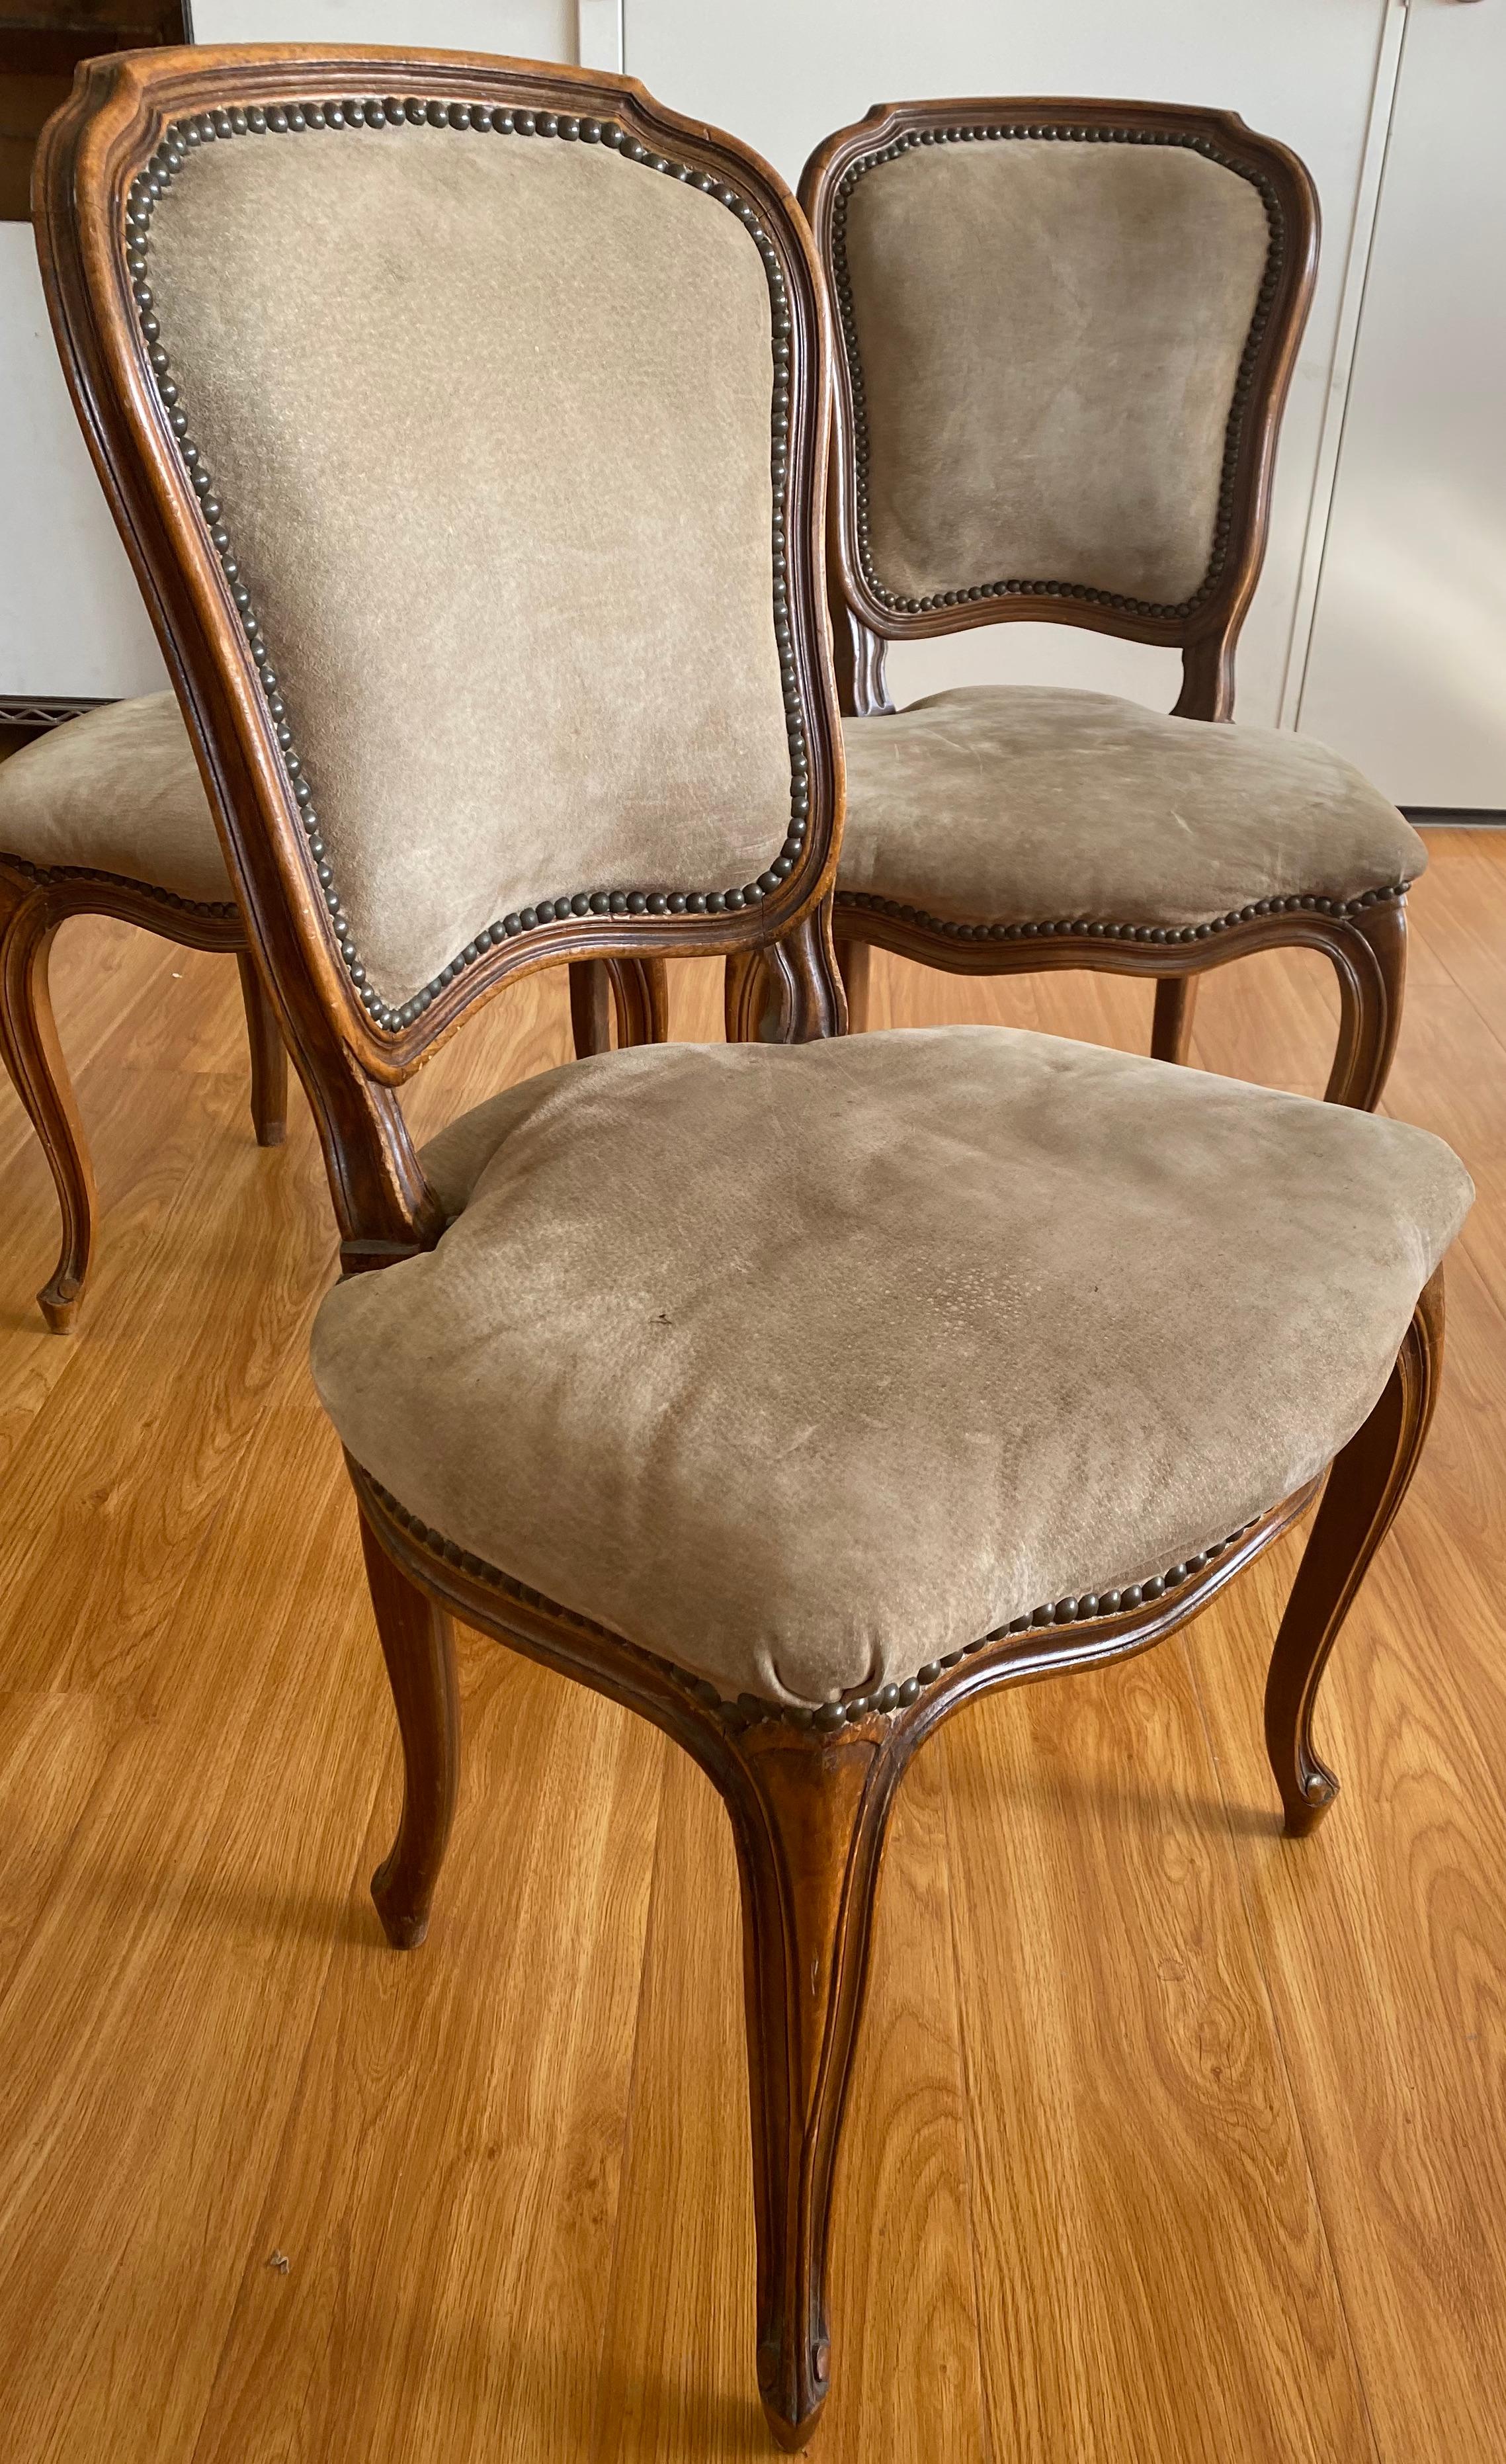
(677, 2377)
(1139, 2158)
(389, 2335)
(1168, 2138)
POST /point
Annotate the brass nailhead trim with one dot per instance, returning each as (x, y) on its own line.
(183, 139)
(1265, 300)
(46, 874)
(749, 1708)
(863, 901)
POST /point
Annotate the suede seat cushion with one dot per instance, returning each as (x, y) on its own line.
(1026, 803)
(803, 1366)
(116, 791)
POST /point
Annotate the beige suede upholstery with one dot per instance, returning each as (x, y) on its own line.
(489, 422)
(1036, 804)
(116, 791)
(803, 1366)
(1049, 335)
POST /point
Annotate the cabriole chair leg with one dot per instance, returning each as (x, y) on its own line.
(1370, 962)
(1366, 1485)
(268, 1058)
(419, 1647)
(34, 1060)
(1171, 1027)
(809, 1815)
(809, 1812)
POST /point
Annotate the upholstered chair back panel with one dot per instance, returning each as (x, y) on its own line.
(487, 422)
(1047, 337)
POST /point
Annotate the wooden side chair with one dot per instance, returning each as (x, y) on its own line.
(106, 816)
(1064, 333)
(1066, 1337)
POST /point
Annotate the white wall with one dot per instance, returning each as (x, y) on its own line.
(539, 29)
(784, 72)
(72, 622)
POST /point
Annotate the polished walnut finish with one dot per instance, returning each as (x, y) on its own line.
(1366, 1484)
(808, 1801)
(32, 904)
(1365, 945)
(634, 991)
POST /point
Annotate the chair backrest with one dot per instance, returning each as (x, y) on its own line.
(467, 420)
(1064, 335)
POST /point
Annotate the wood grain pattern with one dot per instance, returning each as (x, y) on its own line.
(1203, 2150)
(1138, 2158)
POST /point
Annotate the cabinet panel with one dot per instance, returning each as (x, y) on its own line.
(1407, 672)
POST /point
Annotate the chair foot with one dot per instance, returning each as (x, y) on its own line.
(1171, 1027)
(418, 1646)
(1370, 962)
(1367, 1483)
(33, 1058)
(59, 1307)
(809, 1815)
(268, 1058)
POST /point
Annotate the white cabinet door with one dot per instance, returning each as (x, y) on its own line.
(783, 72)
(1406, 671)
(72, 623)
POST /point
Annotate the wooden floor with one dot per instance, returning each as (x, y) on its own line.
(1170, 2142)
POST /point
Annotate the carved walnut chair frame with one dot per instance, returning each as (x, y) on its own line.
(807, 1794)
(1365, 941)
(33, 902)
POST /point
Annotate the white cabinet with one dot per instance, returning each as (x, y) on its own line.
(1407, 668)
(72, 623)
